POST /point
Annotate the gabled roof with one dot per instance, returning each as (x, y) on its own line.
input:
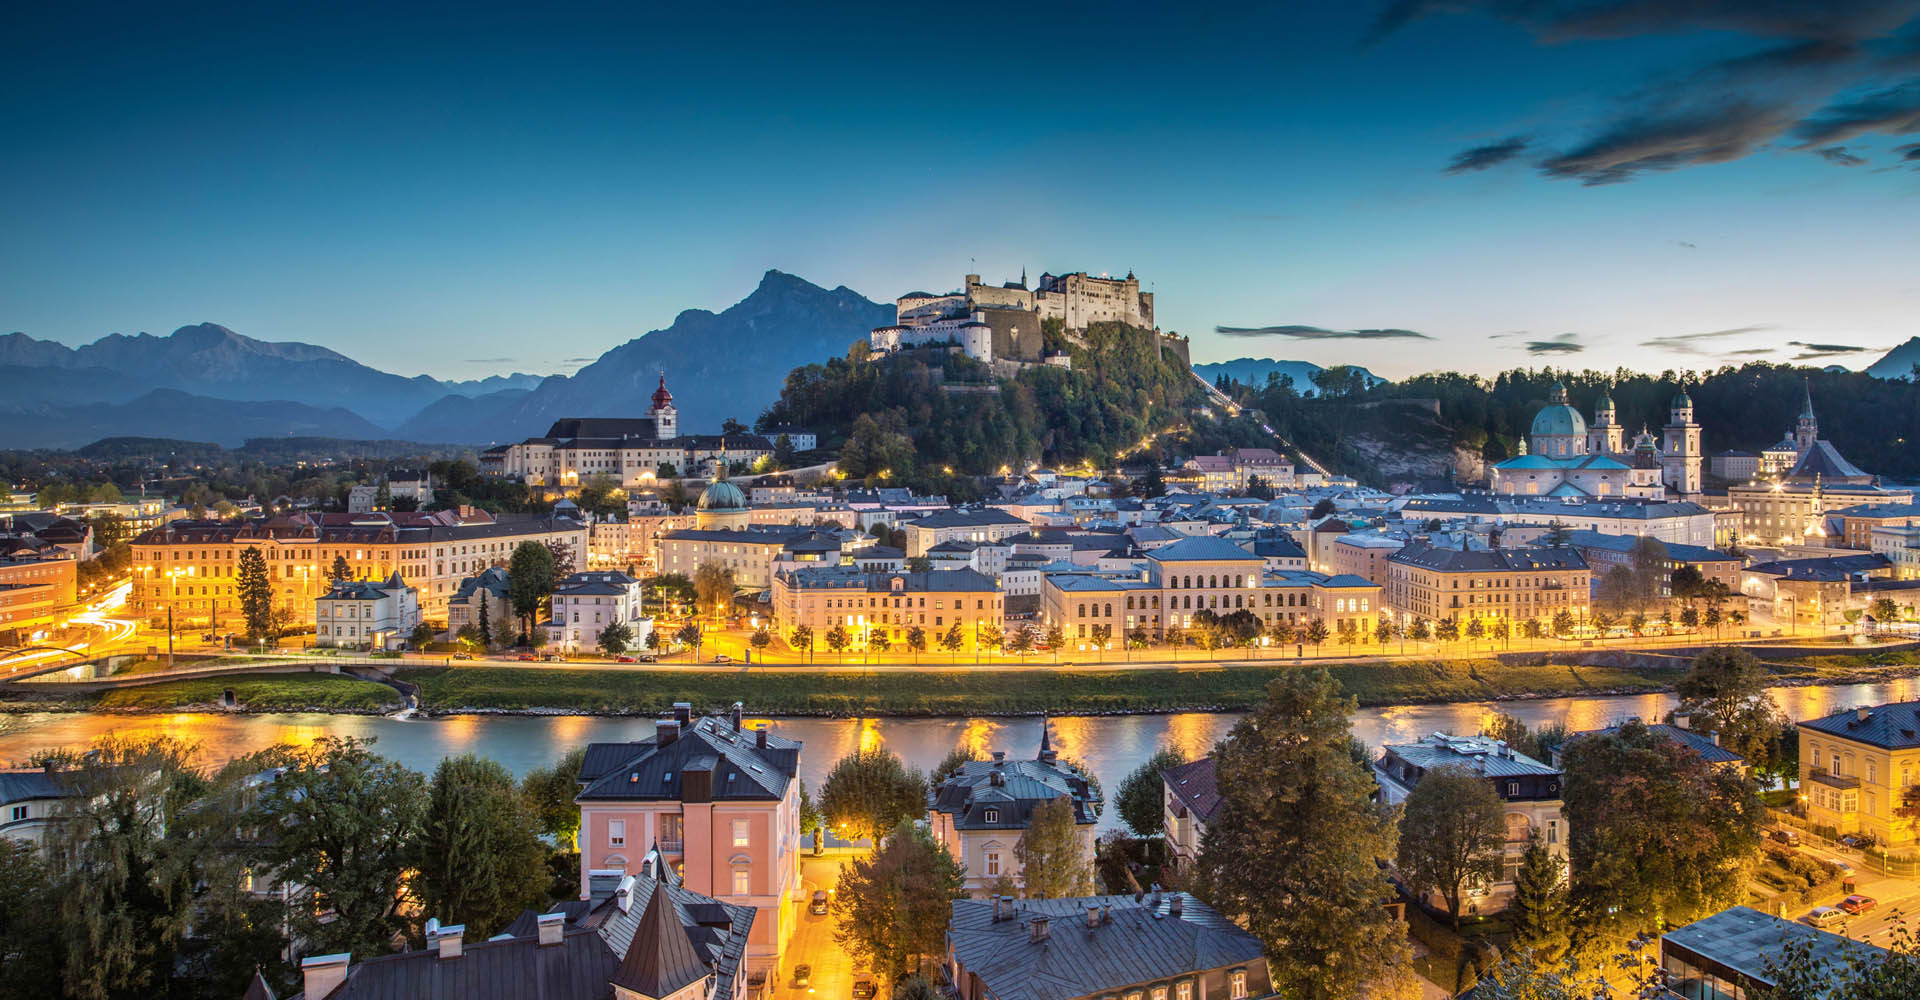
(1823, 460)
(1012, 789)
(1140, 941)
(645, 770)
(1192, 783)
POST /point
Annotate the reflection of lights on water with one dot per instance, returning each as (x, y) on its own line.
(977, 737)
(870, 738)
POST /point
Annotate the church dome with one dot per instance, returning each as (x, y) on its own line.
(1605, 403)
(1558, 418)
(722, 495)
(1682, 401)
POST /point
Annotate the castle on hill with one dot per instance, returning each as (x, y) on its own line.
(1002, 323)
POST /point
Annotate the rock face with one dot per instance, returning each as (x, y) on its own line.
(1899, 362)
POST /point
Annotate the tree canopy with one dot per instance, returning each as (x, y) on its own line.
(869, 792)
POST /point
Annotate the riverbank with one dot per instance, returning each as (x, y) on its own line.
(935, 691)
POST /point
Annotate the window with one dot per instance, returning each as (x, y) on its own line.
(740, 838)
(991, 816)
(1513, 788)
(993, 862)
(1237, 984)
(1183, 990)
(617, 832)
(1159, 993)
(742, 882)
(19, 813)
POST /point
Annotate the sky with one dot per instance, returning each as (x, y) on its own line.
(466, 189)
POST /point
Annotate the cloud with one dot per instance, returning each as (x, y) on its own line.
(1910, 152)
(1809, 352)
(579, 361)
(1683, 244)
(1693, 343)
(1750, 352)
(1667, 141)
(1839, 155)
(1317, 333)
(1489, 155)
(1566, 343)
(490, 361)
(1894, 111)
(1554, 21)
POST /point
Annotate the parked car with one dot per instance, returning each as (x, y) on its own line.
(1857, 904)
(1856, 841)
(1825, 916)
(802, 976)
(525, 657)
(623, 659)
(863, 989)
(722, 658)
(649, 658)
(819, 906)
(1846, 870)
(1785, 836)
(463, 656)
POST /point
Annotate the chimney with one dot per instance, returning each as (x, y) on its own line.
(1155, 889)
(322, 974)
(665, 731)
(737, 709)
(1106, 913)
(1682, 721)
(623, 895)
(1093, 916)
(1716, 737)
(996, 779)
(1861, 714)
(683, 712)
(760, 738)
(450, 939)
(553, 927)
(999, 756)
(1176, 903)
(1037, 930)
(999, 908)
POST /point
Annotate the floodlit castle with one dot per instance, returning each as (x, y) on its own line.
(1564, 456)
(1002, 322)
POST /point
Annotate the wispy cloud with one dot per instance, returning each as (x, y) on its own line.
(1697, 343)
(1684, 244)
(1317, 333)
(1839, 156)
(1750, 352)
(490, 361)
(1566, 343)
(1809, 352)
(1489, 155)
(579, 361)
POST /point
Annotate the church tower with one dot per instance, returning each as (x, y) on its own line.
(1605, 436)
(666, 419)
(1680, 456)
(1806, 430)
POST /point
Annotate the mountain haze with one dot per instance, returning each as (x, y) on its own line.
(1899, 362)
(1253, 372)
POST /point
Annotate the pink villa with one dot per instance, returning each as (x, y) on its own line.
(722, 805)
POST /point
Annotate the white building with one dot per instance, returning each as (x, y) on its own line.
(585, 603)
(374, 614)
(28, 798)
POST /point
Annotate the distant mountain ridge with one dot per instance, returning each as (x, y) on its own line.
(1899, 362)
(1253, 372)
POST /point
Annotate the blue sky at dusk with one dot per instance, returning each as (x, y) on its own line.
(465, 189)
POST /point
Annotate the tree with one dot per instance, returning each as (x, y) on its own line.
(1295, 846)
(1446, 630)
(562, 554)
(1654, 832)
(1801, 973)
(549, 793)
(615, 638)
(1053, 862)
(1153, 484)
(110, 530)
(801, 638)
(891, 909)
(1419, 630)
(1726, 689)
(477, 859)
(1513, 733)
(1321, 509)
(838, 638)
(1316, 634)
(917, 640)
(486, 626)
(783, 452)
(338, 821)
(952, 640)
(1562, 622)
(1259, 489)
(1020, 640)
(1102, 636)
(1690, 616)
(919, 564)
(1452, 831)
(690, 637)
(1884, 610)
(762, 638)
(341, 570)
(869, 792)
(713, 588)
(256, 594)
(529, 581)
(1538, 911)
(1686, 583)
(31, 948)
(1142, 797)
(1056, 637)
(1557, 536)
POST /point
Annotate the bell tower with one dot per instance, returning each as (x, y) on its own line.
(666, 419)
(1806, 430)
(1605, 436)
(1680, 457)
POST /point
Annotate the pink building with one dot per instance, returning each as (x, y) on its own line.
(721, 803)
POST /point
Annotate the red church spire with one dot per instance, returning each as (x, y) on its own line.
(661, 397)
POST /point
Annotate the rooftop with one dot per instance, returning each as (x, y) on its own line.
(1893, 727)
(1139, 940)
(1743, 939)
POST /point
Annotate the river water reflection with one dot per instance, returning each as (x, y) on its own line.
(1111, 745)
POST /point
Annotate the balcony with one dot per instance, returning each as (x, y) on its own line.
(1833, 780)
(671, 847)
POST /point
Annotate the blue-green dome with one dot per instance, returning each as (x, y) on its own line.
(1604, 404)
(1559, 418)
(723, 495)
(1682, 401)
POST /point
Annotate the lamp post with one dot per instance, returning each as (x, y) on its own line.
(173, 597)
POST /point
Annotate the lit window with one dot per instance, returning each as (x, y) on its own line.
(617, 832)
(1237, 984)
(742, 882)
(993, 862)
(992, 816)
(740, 838)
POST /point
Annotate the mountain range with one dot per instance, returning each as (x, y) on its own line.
(1899, 362)
(1254, 371)
(208, 383)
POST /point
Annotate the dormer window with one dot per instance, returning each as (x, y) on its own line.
(991, 816)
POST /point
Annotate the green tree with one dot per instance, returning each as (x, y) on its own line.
(1558, 535)
(919, 564)
(340, 571)
(1053, 862)
(1476, 629)
(1629, 793)
(713, 589)
(838, 638)
(690, 637)
(1446, 630)
(1725, 689)
(615, 638)
(1800, 972)
(477, 859)
(1316, 634)
(951, 764)
(1884, 610)
(31, 948)
(1141, 796)
(529, 581)
(1452, 830)
(339, 821)
(549, 793)
(917, 640)
(762, 638)
(256, 594)
(1419, 630)
(110, 530)
(892, 908)
(1538, 912)
(869, 792)
(1295, 847)
(878, 642)
(1562, 622)
(1690, 616)
(801, 638)
(486, 626)
(952, 640)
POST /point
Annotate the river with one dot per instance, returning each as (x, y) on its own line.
(1112, 745)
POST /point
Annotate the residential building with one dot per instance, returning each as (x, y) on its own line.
(1795, 513)
(751, 552)
(1604, 552)
(193, 566)
(1901, 548)
(798, 438)
(979, 812)
(1730, 955)
(363, 498)
(1362, 555)
(1231, 470)
(1529, 792)
(1705, 744)
(1810, 591)
(584, 604)
(1189, 798)
(889, 604)
(36, 589)
(721, 804)
(1734, 465)
(366, 614)
(488, 587)
(28, 800)
(639, 937)
(984, 525)
(1857, 766)
(1463, 584)
(1858, 523)
(411, 484)
(1166, 946)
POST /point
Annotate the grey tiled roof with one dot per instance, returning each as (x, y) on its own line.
(1200, 548)
(1138, 943)
(1471, 752)
(1453, 560)
(1894, 727)
(1745, 939)
(643, 770)
(1025, 784)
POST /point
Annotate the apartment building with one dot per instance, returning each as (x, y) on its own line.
(1464, 584)
(584, 604)
(1857, 766)
(979, 812)
(366, 614)
(1795, 513)
(1189, 798)
(721, 804)
(1361, 555)
(888, 604)
(988, 525)
(36, 590)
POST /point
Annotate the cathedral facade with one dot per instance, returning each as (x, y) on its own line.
(1564, 456)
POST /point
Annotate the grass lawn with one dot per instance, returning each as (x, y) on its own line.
(937, 691)
(258, 692)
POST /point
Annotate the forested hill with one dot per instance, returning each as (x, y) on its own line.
(1874, 422)
(932, 417)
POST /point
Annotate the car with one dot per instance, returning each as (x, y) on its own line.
(649, 658)
(802, 976)
(864, 989)
(1856, 842)
(551, 657)
(722, 658)
(623, 659)
(819, 907)
(1785, 836)
(1857, 904)
(463, 656)
(1845, 869)
(1825, 916)
(526, 657)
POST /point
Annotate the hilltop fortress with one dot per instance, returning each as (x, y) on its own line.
(1000, 324)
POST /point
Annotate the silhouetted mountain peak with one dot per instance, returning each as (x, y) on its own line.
(1899, 362)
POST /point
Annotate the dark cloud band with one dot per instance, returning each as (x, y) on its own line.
(1317, 333)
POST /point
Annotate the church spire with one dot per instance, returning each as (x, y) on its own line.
(1806, 405)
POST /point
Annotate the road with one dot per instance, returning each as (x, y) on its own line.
(813, 944)
(1897, 898)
